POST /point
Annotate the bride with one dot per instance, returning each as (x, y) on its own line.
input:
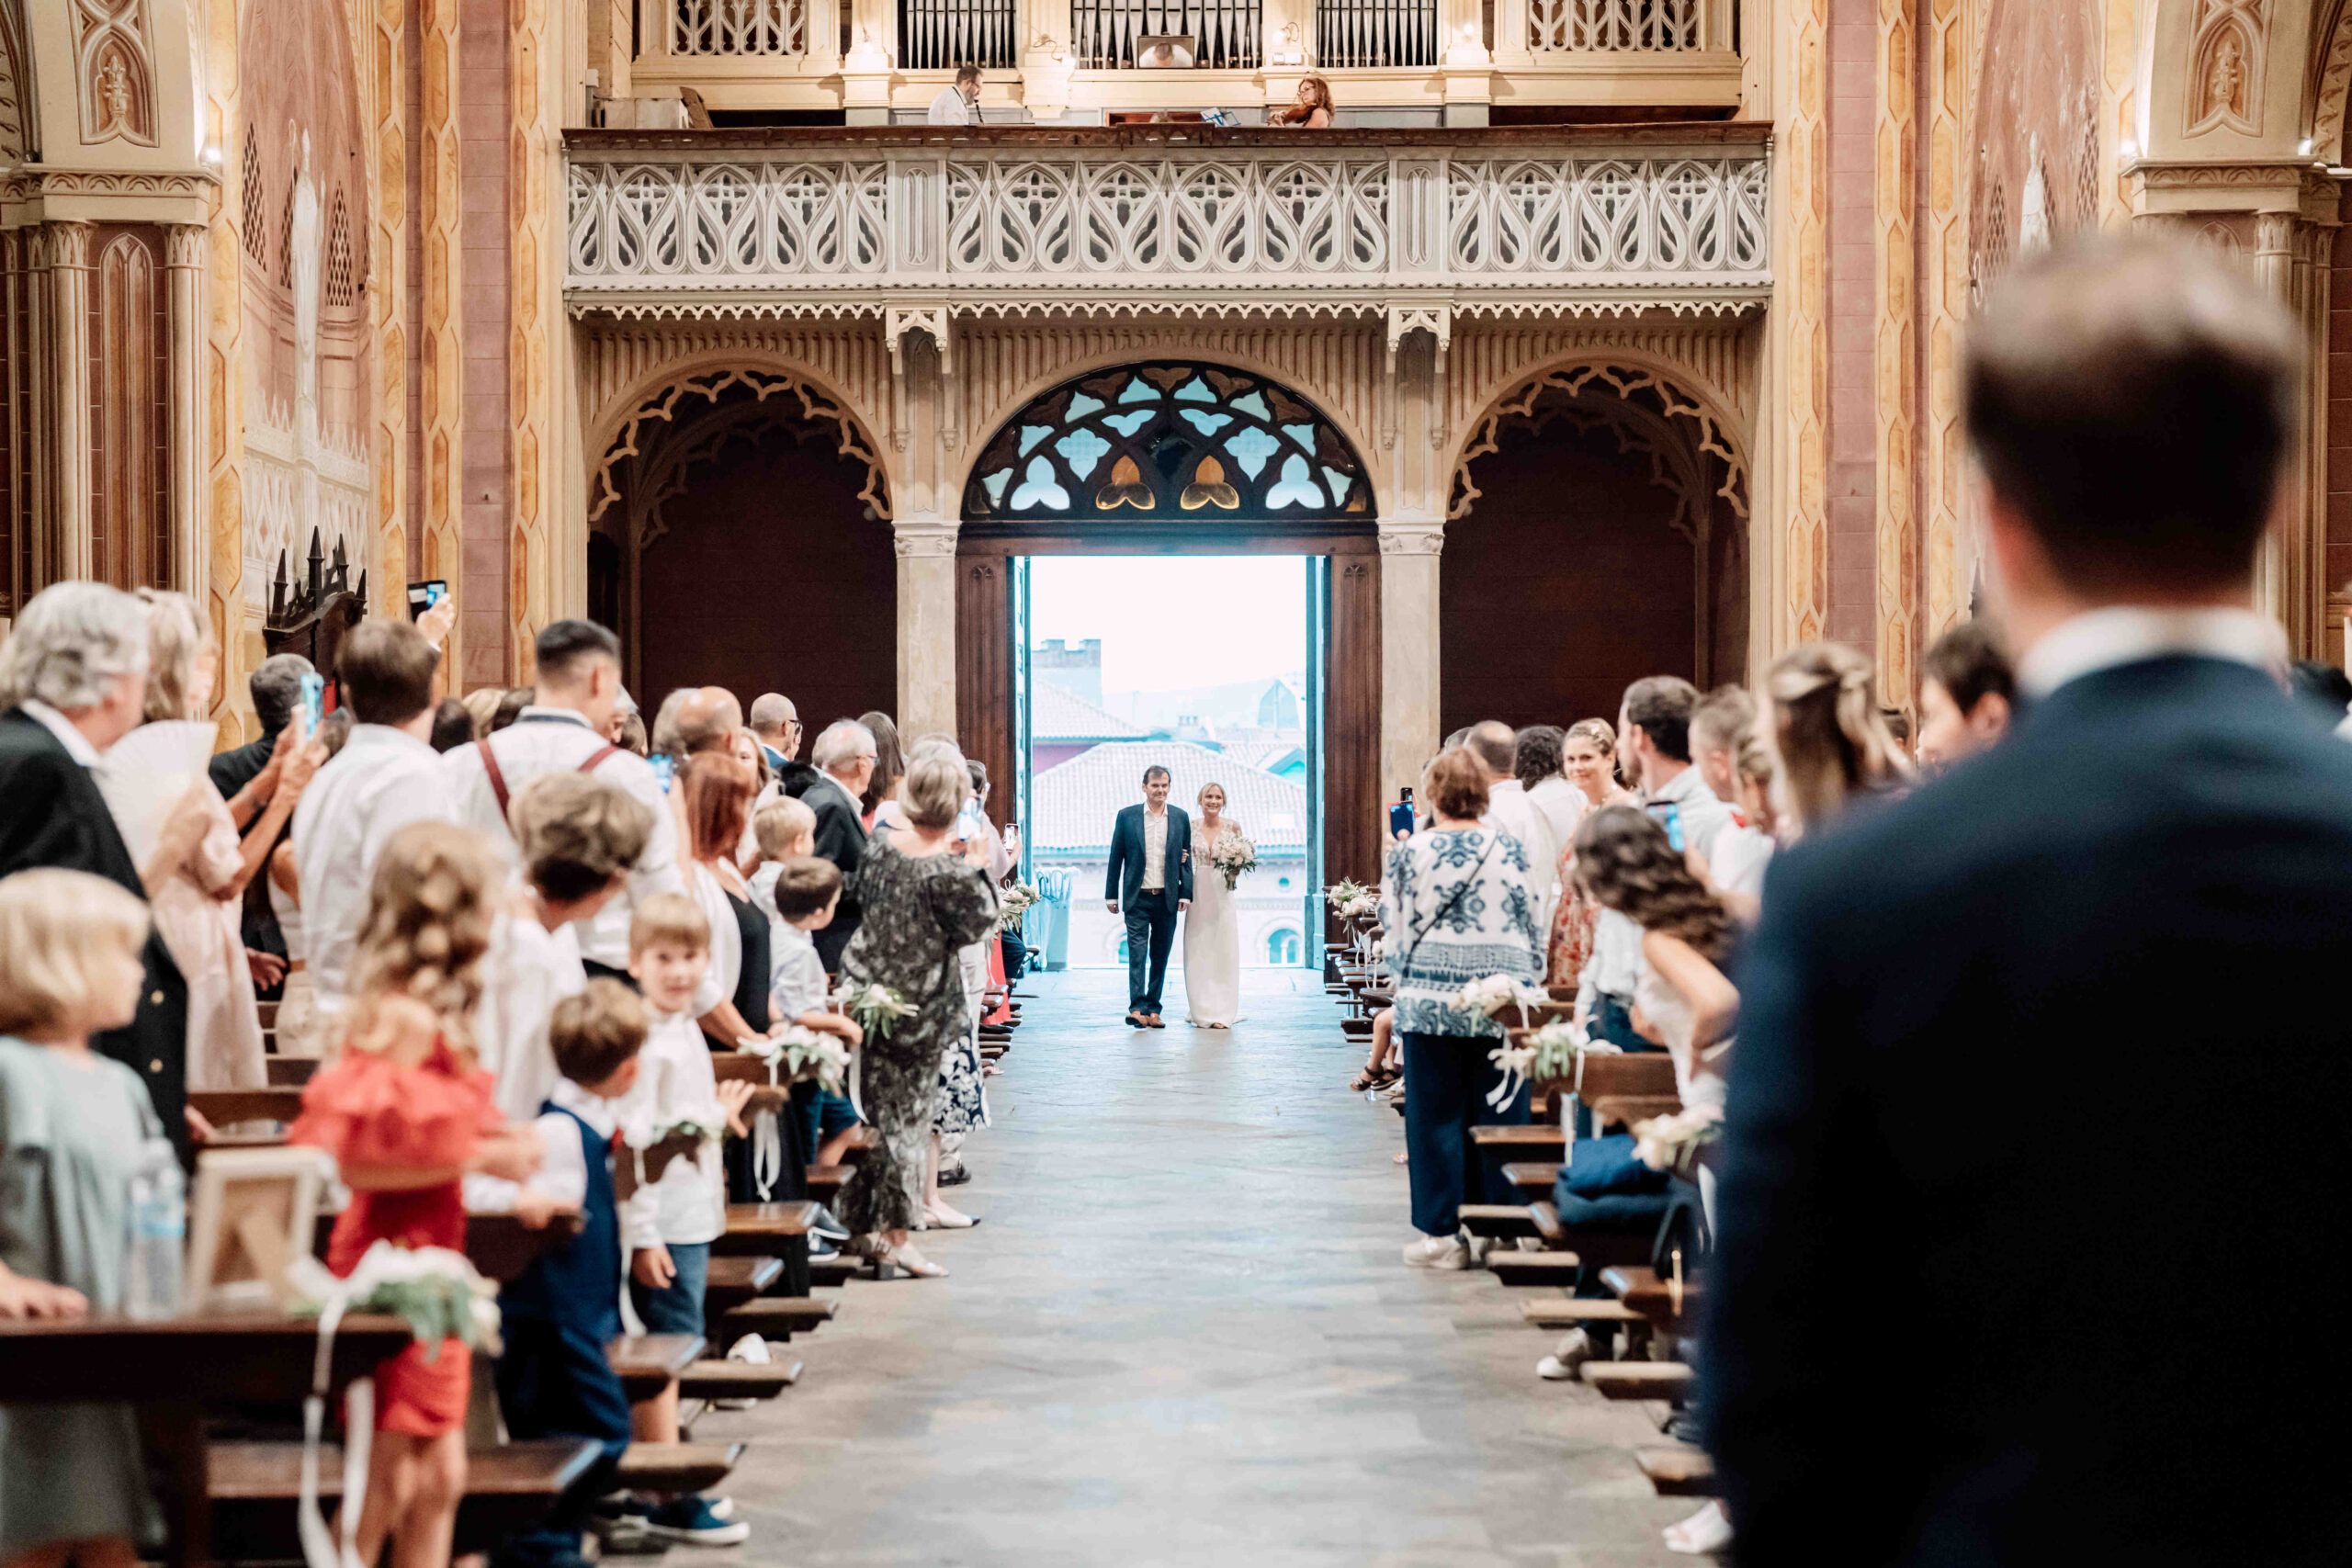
(1212, 937)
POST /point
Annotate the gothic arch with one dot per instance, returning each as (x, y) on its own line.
(1170, 440)
(2328, 79)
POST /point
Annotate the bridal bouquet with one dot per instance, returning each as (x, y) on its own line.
(1663, 1142)
(436, 1290)
(1233, 855)
(876, 1008)
(793, 1054)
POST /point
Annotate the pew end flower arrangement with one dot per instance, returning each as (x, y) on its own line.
(876, 1008)
(436, 1291)
(1012, 904)
(1552, 1054)
(1672, 1143)
(794, 1054)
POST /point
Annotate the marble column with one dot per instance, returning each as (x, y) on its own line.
(926, 551)
(1409, 647)
(187, 248)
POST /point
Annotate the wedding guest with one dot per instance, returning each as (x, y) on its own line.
(1824, 721)
(629, 733)
(1310, 111)
(1967, 694)
(481, 705)
(694, 720)
(1722, 732)
(889, 763)
(1589, 756)
(452, 725)
(784, 829)
(1722, 717)
(1656, 723)
(1509, 810)
(195, 895)
(776, 722)
(2159, 815)
(275, 687)
(578, 664)
(510, 706)
(1537, 766)
(72, 1483)
(806, 892)
(714, 790)
(404, 1112)
(75, 668)
(1457, 907)
(923, 903)
(846, 756)
(384, 778)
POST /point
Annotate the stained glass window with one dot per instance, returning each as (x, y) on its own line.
(1169, 442)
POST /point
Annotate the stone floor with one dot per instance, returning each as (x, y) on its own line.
(1183, 1335)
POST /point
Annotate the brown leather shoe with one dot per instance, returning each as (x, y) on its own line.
(1156, 1023)
(1138, 1020)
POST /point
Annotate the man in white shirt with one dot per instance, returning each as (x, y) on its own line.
(956, 105)
(1655, 720)
(579, 679)
(1509, 810)
(1561, 803)
(1150, 877)
(385, 777)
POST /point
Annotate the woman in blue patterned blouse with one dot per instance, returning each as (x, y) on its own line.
(1457, 906)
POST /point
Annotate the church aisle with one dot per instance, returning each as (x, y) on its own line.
(1183, 1335)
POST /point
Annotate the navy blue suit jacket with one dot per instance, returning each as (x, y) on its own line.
(1123, 879)
(2035, 1133)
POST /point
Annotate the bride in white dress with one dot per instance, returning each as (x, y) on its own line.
(1212, 934)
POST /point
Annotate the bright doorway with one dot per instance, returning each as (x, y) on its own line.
(1210, 666)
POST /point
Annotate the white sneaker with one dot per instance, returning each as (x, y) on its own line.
(750, 1350)
(1563, 1364)
(1437, 1252)
(1704, 1534)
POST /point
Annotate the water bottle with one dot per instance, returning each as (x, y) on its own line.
(158, 1232)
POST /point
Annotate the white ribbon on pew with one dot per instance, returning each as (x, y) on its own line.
(767, 1152)
(321, 1549)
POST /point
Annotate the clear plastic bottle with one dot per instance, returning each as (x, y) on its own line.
(158, 1232)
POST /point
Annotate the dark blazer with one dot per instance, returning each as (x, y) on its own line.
(840, 838)
(2035, 1112)
(232, 769)
(53, 815)
(1123, 878)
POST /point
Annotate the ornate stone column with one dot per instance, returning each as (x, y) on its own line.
(187, 248)
(64, 392)
(926, 550)
(1409, 647)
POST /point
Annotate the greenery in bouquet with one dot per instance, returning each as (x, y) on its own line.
(1014, 902)
(876, 1006)
(436, 1291)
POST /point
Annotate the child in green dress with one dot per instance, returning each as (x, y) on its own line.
(72, 1127)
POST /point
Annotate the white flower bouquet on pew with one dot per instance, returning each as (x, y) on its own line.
(1495, 992)
(1547, 1054)
(1014, 902)
(438, 1292)
(876, 1006)
(793, 1054)
(1233, 855)
(1664, 1143)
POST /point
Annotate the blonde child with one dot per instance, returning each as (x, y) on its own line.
(785, 830)
(407, 1115)
(73, 1125)
(806, 893)
(670, 1223)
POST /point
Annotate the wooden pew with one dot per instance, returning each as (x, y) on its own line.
(1497, 1219)
(825, 1182)
(776, 1317)
(761, 1230)
(1640, 1379)
(221, 1107)
(1529, 1141)
(1574, 1312)
(1677, 1472)
(648, 1363)
(733, 1281)
(737, 1380)
(256, 1487)
(1640, 1289)
(290, 1071)
(672, 1468)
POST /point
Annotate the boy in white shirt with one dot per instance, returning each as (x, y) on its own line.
(671, 1220)
(578, 838)
(806, 892)
(785, 830)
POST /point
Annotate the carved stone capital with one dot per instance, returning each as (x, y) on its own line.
(187, 244)
(924, 541)
(899, 320)
(61, 245)
(1413, 540)
(1406, 320)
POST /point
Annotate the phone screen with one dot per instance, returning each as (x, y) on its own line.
(1670, 817)
(314, 704)
(665, 769)
(423, 596)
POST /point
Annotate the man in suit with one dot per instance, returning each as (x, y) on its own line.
(845, 754)
(2032, 1099)
(75, 669)
(1151, 875)
(277, 687)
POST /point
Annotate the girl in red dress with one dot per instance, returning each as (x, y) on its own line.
(407, 1115)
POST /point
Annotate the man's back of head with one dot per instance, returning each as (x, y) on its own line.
(277, 686)
(2131, 401)
(566, 654)
(1496, 745)
(771, 710)
(1662, 707)
(386, 669)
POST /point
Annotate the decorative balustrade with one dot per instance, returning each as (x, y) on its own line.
(1622, 26)
(739, 28)
(1369, 34)
(669, 221)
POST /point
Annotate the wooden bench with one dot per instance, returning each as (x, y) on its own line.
(776, 1317)
(256, 1488)
(1513, 1267)
(761, 1230)
(1678, 1472)
(649, 1363)
(672, 1468)
(1496, 1220)
(737, 1380)
(825, 1182)
(836, 1270)
(1624, 1110)
(1630, 1073)
(1574, 1312)
(1640, 1379)
(1641, 1290)
(290, 1071)
(502, 1248)
(1533, 1141)
(223, 1106)
(1533, 1176)
(734, 1280)
(1600, 1248)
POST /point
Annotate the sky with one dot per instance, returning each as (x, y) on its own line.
(1171, 621)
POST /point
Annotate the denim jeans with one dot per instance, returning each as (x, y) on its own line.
(1447, 1080)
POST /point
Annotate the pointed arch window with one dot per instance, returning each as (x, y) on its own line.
(257, 233)
(1170, 442)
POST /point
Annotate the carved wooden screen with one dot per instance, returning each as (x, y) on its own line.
(1167, 442)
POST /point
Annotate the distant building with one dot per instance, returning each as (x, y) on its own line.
(1063, 725)
(1075, 668)
(1074, 804)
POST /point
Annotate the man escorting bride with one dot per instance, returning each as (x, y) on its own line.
(1160, 869)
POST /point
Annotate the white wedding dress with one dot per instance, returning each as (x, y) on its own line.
(1212, 945)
